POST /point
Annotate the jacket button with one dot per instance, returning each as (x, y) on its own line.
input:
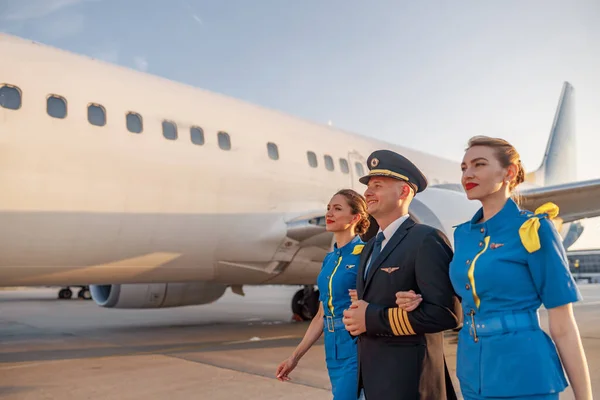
(480, 244)
(468, 287)
(482, 230)
(468, 262)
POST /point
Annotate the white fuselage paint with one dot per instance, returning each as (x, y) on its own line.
(83, 204)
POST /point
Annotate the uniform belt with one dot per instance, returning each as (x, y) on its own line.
(333, 323)
(502, 323)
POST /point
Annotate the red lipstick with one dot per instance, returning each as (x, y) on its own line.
(470, 185)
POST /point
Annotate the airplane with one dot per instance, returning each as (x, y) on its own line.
(158, 194)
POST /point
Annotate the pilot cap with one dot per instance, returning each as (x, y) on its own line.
(393, 165)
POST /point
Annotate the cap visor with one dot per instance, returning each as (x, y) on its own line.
(365, 179)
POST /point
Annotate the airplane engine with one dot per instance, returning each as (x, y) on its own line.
(448, 203)
(156, 295)
(443, 208)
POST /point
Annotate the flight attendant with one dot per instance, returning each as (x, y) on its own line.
(507, 263)
(347, 218)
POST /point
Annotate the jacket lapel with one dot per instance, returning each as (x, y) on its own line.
(389, 247)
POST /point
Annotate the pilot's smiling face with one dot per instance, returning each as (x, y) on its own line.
(339, 215)
(383, 195)
(482, 173)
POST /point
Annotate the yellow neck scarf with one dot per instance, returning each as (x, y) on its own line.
(529, 230)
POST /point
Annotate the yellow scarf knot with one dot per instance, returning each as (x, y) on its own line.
(529, 230)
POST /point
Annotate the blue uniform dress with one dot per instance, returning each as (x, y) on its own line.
(337, 276)
(504, 269)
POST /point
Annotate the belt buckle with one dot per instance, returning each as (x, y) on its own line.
(330, 328)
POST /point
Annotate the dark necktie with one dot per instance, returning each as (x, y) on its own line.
(376, 250)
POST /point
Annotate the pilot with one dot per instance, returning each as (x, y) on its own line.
(507, 262)
(401, 354)
(347, 218)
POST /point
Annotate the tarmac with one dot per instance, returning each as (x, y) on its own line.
(73, 349)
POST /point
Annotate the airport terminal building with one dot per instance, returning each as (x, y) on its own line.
(585, 264)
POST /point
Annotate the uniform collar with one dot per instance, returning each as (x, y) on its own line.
(348, 247)
(393, 227)
(497, 221)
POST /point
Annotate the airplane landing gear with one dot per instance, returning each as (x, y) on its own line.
(84, 293)
(65, 293)
(305, 303)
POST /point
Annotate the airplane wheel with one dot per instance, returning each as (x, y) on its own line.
(84, 294)
(65, 293)
(305, 303)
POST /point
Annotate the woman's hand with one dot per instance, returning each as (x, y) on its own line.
(408, 301)
(353, 295)
(284, 369)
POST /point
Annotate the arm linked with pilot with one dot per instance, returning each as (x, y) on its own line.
(436, 309)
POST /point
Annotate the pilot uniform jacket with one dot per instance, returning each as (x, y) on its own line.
(504, 269)
(401, 354)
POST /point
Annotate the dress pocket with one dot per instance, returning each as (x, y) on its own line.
(345, 345)
(468, 362)
(520, 364)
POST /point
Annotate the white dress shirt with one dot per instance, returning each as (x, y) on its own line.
(389, 232)
(391, 229)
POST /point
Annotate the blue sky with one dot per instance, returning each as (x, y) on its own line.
(426, 74)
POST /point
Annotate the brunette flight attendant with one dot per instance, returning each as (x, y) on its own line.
(507, 263)
(347, 218)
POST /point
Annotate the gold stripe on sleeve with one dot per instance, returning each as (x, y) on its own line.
(409, 328)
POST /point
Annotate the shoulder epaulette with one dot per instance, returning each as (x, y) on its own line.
(358, 249)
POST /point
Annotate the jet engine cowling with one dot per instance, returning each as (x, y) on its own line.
(443, 208)
(446, 206)
(156, 295)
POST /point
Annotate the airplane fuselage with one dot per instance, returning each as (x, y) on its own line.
(85, 200)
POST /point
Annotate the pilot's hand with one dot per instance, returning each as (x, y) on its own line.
(408, 301)
(354, 318)
(285, 368)
(353, 295)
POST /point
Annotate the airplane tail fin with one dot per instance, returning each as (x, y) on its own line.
(559, 164)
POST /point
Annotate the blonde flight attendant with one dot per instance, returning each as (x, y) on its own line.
(347, 218)
(507, 263)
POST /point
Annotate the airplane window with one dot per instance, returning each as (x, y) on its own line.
(134, 122)
(10, 97)
(273, 151)
(96, 115)
(197, 135)
(56, 106)
(344, 165)
(359, 169)
(329, 163)
(312, 159)
(169, 130)
(224, 140)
